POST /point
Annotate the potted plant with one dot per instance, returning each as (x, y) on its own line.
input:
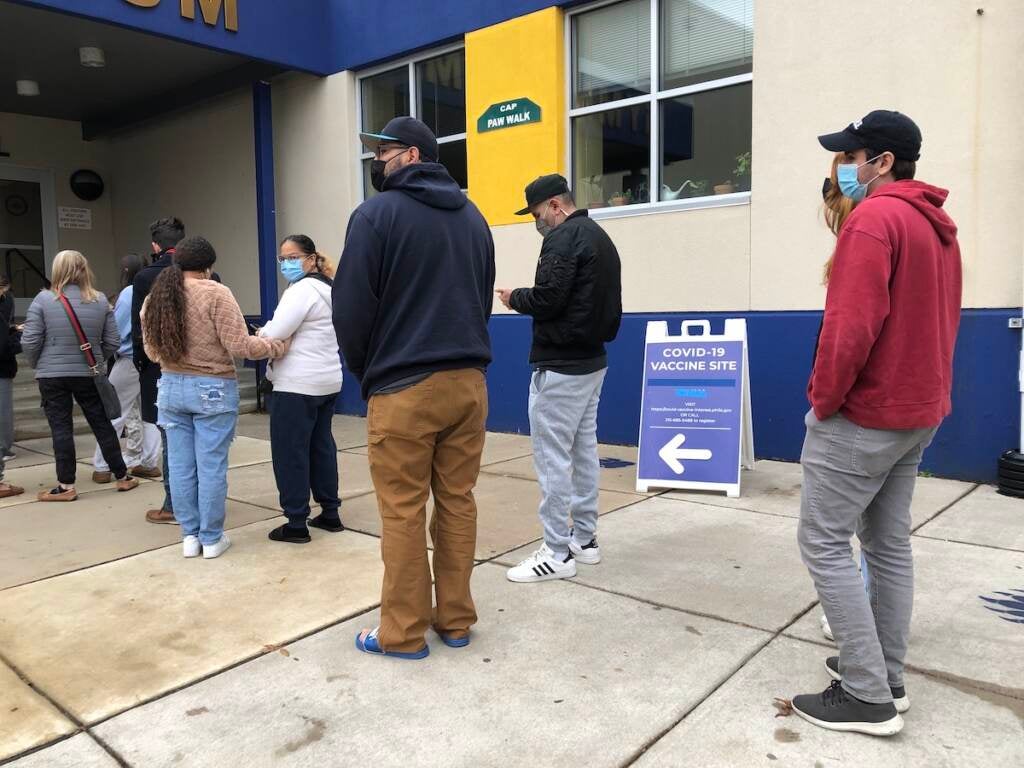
(622, 198)
(698, 188)
(742, 170)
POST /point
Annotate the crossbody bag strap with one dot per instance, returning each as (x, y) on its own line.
(83, 342)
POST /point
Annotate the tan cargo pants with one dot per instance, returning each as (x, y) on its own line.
(427, 438)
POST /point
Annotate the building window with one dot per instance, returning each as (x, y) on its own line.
(432, 88)
(660, 101)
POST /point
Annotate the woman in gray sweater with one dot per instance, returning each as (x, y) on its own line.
(51, 346)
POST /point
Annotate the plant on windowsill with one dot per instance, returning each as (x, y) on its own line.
(742, 171)
(697, 188)
(623, 198)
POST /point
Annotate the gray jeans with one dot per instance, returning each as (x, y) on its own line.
(563, 426)
(859, 480)
(6, 415)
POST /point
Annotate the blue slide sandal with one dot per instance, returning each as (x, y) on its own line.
(369, 644)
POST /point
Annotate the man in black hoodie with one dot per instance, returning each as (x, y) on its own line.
(164, 235)
(412, 298)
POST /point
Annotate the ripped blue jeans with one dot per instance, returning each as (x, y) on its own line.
(199, 414)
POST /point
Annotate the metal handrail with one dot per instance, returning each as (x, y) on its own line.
(32, 267)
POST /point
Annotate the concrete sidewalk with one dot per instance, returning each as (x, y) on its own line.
(117, 651)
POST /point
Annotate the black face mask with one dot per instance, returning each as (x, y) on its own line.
(377, 174)
(826, 188)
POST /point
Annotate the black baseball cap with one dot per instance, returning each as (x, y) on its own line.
(543, 188)
(404, 130)
(881, 130)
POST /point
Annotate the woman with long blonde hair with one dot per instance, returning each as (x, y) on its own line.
(52, 347)
(837, 207)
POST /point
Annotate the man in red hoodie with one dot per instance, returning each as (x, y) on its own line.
(879, 390)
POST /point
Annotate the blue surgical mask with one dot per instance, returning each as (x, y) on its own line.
(849, 185)
(291, 270)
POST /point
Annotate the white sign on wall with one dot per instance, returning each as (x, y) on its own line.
(74, 218)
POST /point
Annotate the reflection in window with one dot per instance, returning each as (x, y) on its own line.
(612, 157)
(441, 85)
(705, 143)
(384, 96)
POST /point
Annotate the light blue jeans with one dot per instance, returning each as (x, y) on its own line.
(199, 414)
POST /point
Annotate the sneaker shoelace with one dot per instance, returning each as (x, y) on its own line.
(834, 695)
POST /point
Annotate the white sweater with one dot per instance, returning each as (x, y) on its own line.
(312, 365)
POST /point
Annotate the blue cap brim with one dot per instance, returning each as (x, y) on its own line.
(372, 140)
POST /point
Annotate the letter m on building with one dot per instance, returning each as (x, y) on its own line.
(211, 12)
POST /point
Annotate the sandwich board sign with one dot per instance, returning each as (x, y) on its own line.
(695, 418)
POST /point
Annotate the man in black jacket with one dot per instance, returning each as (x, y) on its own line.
(576, 305)
(165, 234)
(412, 298)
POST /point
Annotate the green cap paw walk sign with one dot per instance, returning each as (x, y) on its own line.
(507, 114)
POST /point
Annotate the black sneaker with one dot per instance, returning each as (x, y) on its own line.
(899, 693)
(290, 535)
(837, 710)
(324, 523)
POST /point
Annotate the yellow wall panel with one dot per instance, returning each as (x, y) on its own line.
(521, 58)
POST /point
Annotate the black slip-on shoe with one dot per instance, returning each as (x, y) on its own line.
(290, 535)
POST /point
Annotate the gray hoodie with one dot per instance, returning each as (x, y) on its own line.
(49, 340)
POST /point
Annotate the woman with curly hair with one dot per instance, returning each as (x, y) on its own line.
(193, 327)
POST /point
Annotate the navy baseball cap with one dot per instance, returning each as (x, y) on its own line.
(881, 130)
(404, 130)
(543, 188)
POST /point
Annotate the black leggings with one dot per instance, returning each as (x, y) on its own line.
(57, 397)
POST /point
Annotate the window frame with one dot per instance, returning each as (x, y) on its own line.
(409, 62)
(654, 99)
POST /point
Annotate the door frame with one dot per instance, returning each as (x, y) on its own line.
(46, 180)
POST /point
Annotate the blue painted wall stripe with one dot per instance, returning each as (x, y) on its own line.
(984, 423)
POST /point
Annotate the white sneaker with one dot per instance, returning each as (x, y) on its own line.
(542, 565)
(826, 630)
(588, 554)
(191, 547)
(211, 551)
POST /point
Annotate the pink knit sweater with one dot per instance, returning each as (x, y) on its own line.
(215, 334)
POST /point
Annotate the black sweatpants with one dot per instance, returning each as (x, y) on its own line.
(57, 397)
(305, 455)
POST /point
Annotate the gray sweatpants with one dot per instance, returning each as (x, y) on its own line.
(859, 480)
(563, 427)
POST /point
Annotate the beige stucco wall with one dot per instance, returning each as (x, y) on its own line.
(695, 260)
(198, 165)
(57, 146)
(316, 172)
(958, 74)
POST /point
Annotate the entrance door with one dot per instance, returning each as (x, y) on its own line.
(28, 231)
